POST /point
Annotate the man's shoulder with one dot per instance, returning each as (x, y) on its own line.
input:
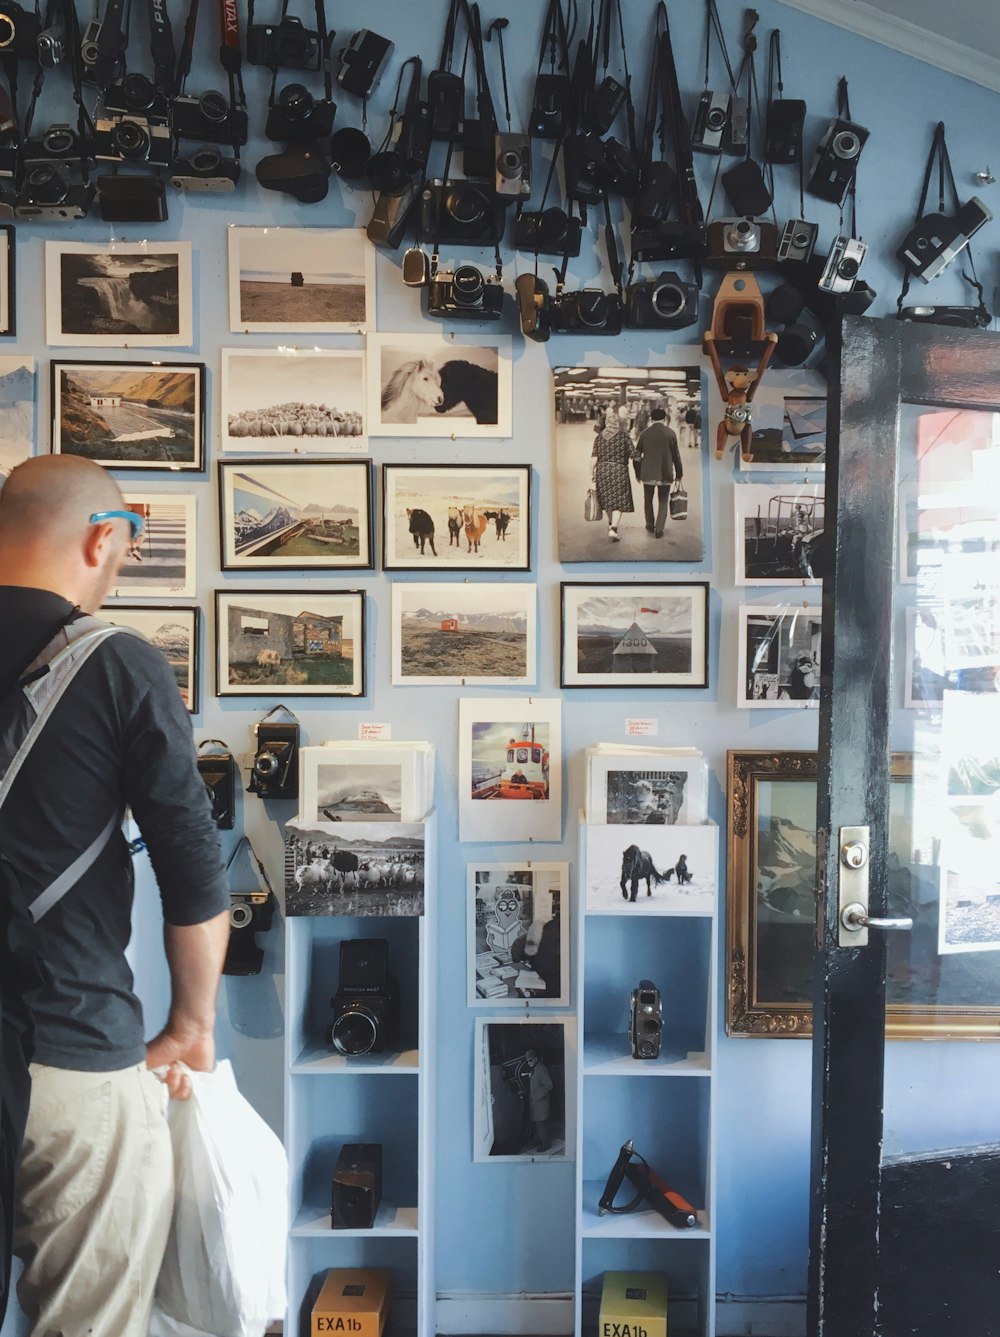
(131, 659)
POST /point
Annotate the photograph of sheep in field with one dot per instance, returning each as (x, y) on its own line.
(651, 869)
(456, 517)
(300, 401)
(314, 279)
(424, 385)
(354, 870)
(303, 644)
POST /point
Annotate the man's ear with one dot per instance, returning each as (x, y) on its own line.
(97, 543)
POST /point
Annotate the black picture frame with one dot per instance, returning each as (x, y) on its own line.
(133, 415)
(642, 649)
(254, 472)
(8, 281)
(136, 615)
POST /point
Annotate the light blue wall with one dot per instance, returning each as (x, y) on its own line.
(508, 1228)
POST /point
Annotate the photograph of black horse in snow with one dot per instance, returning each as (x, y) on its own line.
(422, 529)
(501, 519)
(469, 384)
(638, 866)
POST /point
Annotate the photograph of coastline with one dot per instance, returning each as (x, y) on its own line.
(118, 294)
(294, 401)
(130, 415)
(311, 279)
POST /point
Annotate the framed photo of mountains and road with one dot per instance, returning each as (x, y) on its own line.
(771, 912)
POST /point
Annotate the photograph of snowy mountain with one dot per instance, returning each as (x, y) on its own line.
(174, 631)
(463, 634)
(17, 411)
(130, 415)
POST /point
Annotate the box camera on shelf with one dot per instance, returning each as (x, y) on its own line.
(633, 1302)
(354, 1300)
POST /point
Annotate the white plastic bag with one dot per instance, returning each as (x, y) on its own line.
(224, 1269)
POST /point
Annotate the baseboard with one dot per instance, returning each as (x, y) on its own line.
(552, 1315)
(747, 1316)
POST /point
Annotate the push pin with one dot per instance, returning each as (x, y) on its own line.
(986, 178)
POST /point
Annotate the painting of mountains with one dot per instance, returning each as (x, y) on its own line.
(463, 634)
(129, 415)
(17, 411)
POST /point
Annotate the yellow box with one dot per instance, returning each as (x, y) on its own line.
(353, 1301)
(633, 1304)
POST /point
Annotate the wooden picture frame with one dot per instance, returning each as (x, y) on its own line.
(770, 928)
(625, 635)
(422, 517)
(8, 281)
(162, 626)
(304, 622)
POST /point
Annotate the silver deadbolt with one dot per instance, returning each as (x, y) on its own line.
(854, 855)
(854, 918)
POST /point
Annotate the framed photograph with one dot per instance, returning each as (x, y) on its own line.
(653, 635)
(651, 870)
(176, 633)
(524, 1099)
(427, 385)
(160, 564)
(952, 647)
(942, 523)
(350, 784)
(518, 931)
(294, 400)
(778, 529)
(970, 881)
(296, 515)
(18, 398)
(771, 912)
(310, 279)
(789, 424)
(510, 768)
(8, 281)
(617, 465)
(306, 643)
(779, 656)
(628, 788)
(354, 868)
(130, 415)
(450, 517)
(118, 294)
(465, 635)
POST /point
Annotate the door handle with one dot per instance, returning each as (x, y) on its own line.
(855, 920)
(854, 917)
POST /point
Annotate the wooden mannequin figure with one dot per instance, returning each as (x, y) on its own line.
(737, 388)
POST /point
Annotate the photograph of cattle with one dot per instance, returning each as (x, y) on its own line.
(297, 514)
(653, 635)
(655, 869)
(456, 517)
(294, 400)
(160, 563)
(314, 279)
(463, 634)
(303, 644)
(354, 870)
(428, 386)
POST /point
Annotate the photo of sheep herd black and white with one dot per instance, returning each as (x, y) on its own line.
(294, 400)
(424, 385)
(355, 870)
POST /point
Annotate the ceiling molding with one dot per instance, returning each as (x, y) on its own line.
(935, 49)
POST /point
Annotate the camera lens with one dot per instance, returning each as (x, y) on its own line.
(7, 31)
(59, 141)
(296, 102)
(387, 171)
(138, 92)
(265, 765)
(716, 119)
(466, 208)
(355, 1032)
(88, 53)
(848, 268)
(592, 308)
(846, 144)
(206, 162)
(668, 300)
(213, 106)
(240, 915)
(46, 185)
(509, 163)
(742, 236)
(467, 283)
(130, 141)
(552, 226)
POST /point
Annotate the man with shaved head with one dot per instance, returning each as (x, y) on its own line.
(95, 1181)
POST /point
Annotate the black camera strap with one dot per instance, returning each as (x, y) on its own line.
(774, 81)
(245, 840)
(111, 41)
(83, 121)
(161, 46)
(680, 133)
(229, 58)
(611, 10)
(435, 254)
(844, 112)
(556, 36)
(713, 24)
(484, 98)
(498, 26)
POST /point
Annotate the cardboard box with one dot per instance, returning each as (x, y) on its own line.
(633, 1304)
(354, 1301)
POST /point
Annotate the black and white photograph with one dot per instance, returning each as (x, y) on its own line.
(789, 424)
(17, 411)
(293, 401)
(779, 533)
(130, 415)
(448, 517)
(510, 768)
(651, 870)
(518, 932)
(970, 881)
(629, 463)
(428, 386)
(942, 527)
(349, 784)
(120, 294)
(175, 633)
(354, 869)
(161, 560)
(952, 647)
(309, 643)
(524, 1097)
(649, 797)
(8, 281)
(653, 635)
(779, 656)
(310, 279)
(463, 634)
(296, 515)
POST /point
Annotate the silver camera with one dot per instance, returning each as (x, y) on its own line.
(740, 236)
(843, 264)
(51, 47)
(513, 166)
(798, 240)
(711, 118)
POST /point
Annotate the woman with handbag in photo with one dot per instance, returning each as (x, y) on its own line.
(613, 450)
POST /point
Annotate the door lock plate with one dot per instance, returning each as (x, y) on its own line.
(853, 882)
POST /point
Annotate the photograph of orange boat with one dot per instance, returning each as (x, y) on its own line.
(510, 761)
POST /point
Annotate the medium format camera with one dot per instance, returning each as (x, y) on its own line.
(361, 60)
(513, 166)
(218, 774)
(666, 302)
(842, 264)
(209, 117)
(465, 213)
(783, 132)
(548, 232)
(798, 241)
(53, 185)
(936, 240)
(287, 45)
(297, 117)
(302, 172)
(460, 294)
(19, 30)
(835, 161)
(711, 118)
(742, 243)
(51, 44)
(366, 1004)
(250, 912)
(669, 241)
(550, 106)
(206, 170)
(275, 770)
(958, 317)
(646, 1025)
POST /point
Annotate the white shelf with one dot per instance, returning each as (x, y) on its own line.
(633, 1225)
(319, 1060)
(610, 1056)
(391, 1220)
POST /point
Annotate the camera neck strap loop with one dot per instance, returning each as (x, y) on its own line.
(608, 1204)
(713, 24)
(110, 42)
(844, 112)
(245, 840)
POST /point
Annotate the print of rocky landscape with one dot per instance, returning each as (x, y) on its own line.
(486, 645)
(82, 426)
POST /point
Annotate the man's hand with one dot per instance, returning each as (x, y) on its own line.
(168, 1050)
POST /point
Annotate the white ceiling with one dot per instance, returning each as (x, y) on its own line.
(961, 36)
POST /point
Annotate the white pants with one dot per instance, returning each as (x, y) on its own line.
(95, 1199)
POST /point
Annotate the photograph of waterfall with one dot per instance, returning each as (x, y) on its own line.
(118, 295)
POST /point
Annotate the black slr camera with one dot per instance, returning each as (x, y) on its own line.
(548, 232)
(465, 213)
(133, 123)
(288, 45)
(19, 32)
(297, 116)
(646, 1024)
(366, 1004)
(668, 240)
(250, 912)
(275, 771)
(664, 303)
(835, 161)
(586, 311)
(53, 183)
(459, 294)
(210, 118)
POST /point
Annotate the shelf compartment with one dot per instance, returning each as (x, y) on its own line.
(640, 1224)
(312, 1255)
(688, 1271)
(320, 1060)
(391, 1221)
(611, 1056)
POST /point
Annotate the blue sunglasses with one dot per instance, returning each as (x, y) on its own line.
(136, 522)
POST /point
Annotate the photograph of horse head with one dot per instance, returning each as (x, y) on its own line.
(354, 870)
(423, 385)
(456, 517)
(657, 869)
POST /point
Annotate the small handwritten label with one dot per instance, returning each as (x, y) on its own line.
(369, 732)
(642, 728)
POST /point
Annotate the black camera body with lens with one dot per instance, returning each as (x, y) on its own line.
(655, 196)
(463, 213)
(274, 772)
(711, 119)
(288, 45)
(958, 317)
(53, 184)
(19, 32)
(206, 169)
(798, 241)
(366, 1004)
(132, 123)
(594, 166)
(741, 243)
(297, 117)
(664, 303)
(361, 60)
(586, 311)
(463, 293)
(668, 240)
(250, 912)
(513, 167)
(210, 118)
(841, 267)
(548, 231)
(835, 162)
(935, 240)
(646, 1022)
(550, 106)
(218, 774)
